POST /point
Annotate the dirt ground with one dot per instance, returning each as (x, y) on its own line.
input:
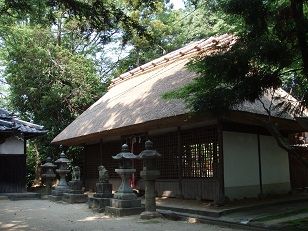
(47, 216)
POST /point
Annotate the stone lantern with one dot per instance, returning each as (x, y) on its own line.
(48, 174)
(62, 170)
(149, 174)
(125, 171)
(125, 202)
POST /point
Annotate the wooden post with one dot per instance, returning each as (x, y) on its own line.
(220, 192)
(180, 170)
(101, 151)
(260, 166)
(85, 164)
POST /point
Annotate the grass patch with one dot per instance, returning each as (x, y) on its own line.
(282, 215)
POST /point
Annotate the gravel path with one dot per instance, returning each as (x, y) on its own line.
(44, 215)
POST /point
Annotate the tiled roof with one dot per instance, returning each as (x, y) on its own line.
(9, 123)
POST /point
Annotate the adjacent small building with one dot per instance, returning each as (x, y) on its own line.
(14, 134)
(203, 156)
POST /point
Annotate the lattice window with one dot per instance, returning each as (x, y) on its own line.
(200, 153)
(167, 145)
(92, 157)
(110, 149)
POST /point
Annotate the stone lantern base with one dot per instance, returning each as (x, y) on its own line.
(75, 195)
(75, 198)
(124, 207)
(125, 202)
(101, 198)
(150, 215)
(57, 194)
(120, 211)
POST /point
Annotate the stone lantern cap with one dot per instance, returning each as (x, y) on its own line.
(149, 152)
(48, 164)
(124, 154)
(62, 159)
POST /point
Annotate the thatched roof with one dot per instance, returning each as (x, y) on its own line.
(135, 97)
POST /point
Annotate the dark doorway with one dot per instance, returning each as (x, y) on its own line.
(12, 173)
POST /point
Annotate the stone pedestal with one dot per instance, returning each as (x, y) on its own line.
(149, 177)
(103, 190)
(98, 204)
(101, 198)
(74, 194)
(48, 183)
(125, 201)
(121, 208)
(57, 193)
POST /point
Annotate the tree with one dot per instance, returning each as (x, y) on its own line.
(165, 34)
(103, 17)
(49, 49)
(49, 84)
(57, 88)
(270, 52)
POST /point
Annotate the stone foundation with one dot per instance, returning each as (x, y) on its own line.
(117, 203)
(74, 198)
(54, 197)
(121, 208)
(98, 204)
(120, 212)
(101, 198)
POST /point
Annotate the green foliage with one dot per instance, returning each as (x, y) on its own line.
(49, 84)
(269, 53)
(57, 88)
(53, 51)
(164, 30)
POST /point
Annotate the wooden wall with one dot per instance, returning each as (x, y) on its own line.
(298, 171)
(12, 173)
(96, 155)
(188, 164)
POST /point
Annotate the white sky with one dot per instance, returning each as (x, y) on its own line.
(177, 4)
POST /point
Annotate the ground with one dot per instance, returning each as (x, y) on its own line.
(46, 215)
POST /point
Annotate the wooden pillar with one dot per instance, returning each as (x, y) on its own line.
(260, 166)
(220, 190)
(101, 152)
(24, 180)
(180, 166)
(85, 163)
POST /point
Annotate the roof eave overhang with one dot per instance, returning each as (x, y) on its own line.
(174, 121)
(245, 118)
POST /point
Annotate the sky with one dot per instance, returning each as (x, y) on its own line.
(177, 4)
